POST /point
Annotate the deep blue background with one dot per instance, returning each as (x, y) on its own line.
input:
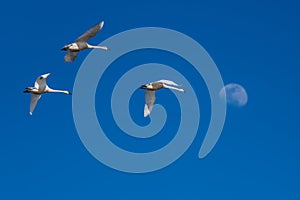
(255, 44)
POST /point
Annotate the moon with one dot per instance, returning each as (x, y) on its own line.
(235, 94)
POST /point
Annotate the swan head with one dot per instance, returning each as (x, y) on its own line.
(143, 86)
(65, 48)
(68, 92)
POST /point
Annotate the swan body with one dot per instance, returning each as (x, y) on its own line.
(150, 92)
(81, 43)
(40, 87)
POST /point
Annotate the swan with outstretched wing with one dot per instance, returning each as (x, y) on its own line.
(150, 92)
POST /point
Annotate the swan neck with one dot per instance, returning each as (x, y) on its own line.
(96, 47)
(173, 88)
(57, 91)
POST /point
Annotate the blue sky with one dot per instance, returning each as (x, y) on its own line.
(255, 44)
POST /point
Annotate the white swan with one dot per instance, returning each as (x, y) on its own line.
(40, 87)
(150, 92)
(81, 43)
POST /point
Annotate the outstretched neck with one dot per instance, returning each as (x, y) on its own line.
(58, 91)
(97, 47)
(173, 88)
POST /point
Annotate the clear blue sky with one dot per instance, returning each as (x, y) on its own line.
(254, 43)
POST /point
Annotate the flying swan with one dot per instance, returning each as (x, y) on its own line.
(150, 92)
(81, 43)
(40, 87)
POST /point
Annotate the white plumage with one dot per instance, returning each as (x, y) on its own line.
(40, 87)
(81, 43)
(150, 93)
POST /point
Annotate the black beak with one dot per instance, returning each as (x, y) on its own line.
(63, 49)
(143, 86)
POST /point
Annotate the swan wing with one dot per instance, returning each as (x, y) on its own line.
(40, 83)
(90, 33)
(150, 99)
(168, 82)
(34, 99)
(70, 56)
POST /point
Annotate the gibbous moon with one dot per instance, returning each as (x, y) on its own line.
(235, 94)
